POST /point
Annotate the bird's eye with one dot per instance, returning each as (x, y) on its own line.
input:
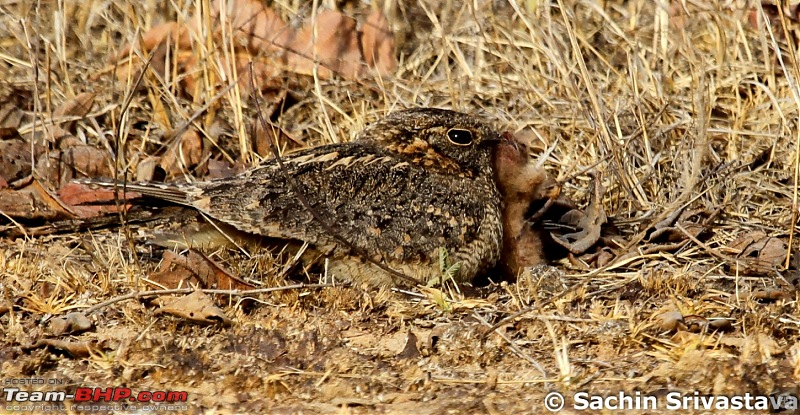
(460, 137)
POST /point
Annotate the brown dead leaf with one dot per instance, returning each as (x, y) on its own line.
(335, 47)
(183, 155)
(220, 169)
(33, 201)
(156, 36)
(72, 323)
(196, 307)
(76, 349)
(738, 245)
(377, 43)
(145, 170)
(273, 135)
(15, 159)
(171, 278)
(410, 351)
(77, 107)
(761, 342)
(87, 202)
(262, 38)
(259, 28)
(696, 223)
(758, 252)
(209, 273)
(768, 251)
(76, 162)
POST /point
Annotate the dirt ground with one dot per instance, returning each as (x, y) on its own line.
(687, 111)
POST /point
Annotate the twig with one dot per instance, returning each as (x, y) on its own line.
(535, 307)
(513, 346)
(238, 293)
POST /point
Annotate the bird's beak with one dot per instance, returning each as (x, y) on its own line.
(508, 137)
(498, 138)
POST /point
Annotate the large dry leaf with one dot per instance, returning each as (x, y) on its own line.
(196, 307)
(758, 252)
(196, 267)
(377, 43)
(81, 161)
(33, 202)
(166, 277)
(87, 202)
(333, 45)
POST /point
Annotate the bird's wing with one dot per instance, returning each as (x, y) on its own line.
(377, 202)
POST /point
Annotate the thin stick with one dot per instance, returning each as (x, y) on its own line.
(238, 293)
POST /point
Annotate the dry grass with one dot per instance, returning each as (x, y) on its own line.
(685, 108)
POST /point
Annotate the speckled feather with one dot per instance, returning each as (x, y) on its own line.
(399, 192)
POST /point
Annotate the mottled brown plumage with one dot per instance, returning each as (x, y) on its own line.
(521, 182)
(415, 182)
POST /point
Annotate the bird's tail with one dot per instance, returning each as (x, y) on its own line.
(168, 192)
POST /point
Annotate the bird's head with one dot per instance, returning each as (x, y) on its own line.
(437, 140)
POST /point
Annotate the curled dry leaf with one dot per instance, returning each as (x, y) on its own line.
(377, 43)
(220, 169)
(72, 323)
(145, 169)
(771, 295)
(410, 351)
(75, 349)
(77, 107)
(196, 307)
(758, 252)
(768, 251)
(333, 45)
(263, 139)
(761, 342)
(696, 223)
(669, 320)
(165, 277)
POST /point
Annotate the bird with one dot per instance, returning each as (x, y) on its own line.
(409, 185)
(521, 183)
